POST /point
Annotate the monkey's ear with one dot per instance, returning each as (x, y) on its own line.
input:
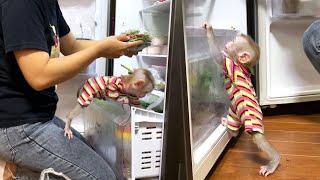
(138, 83)
(244, 57)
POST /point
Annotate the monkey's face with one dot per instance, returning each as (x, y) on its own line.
(140, 87)
(140, 83)
(233, 47)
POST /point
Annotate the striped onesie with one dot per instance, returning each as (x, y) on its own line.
(244, 108)
(102, 88)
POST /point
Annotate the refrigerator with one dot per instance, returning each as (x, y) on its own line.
(185, 137)
(195, 98)
(88, 19)
(285, 75)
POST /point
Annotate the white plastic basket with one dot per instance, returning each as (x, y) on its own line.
(131, 144)
(147, 132)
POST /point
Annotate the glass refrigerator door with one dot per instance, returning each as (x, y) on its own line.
(208, 101)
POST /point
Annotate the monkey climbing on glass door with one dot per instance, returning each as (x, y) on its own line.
(240, 55)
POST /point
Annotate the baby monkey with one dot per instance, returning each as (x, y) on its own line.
(240, 55)
(126, 89)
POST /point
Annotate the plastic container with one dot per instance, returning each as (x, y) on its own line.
(159, 41)
(156, 23)
(147, 135)
(155, 19)
(107, 129)
(129, 139)
(148, 3)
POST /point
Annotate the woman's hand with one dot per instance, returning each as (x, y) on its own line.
(42, 72)
(116, 46)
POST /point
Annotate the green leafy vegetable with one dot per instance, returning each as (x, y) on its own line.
(156, 109)
(136, 35)
(130, 71)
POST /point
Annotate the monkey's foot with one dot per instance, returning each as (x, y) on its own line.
(270, 167)
(68, 133)
(233, 133)
(224, 121)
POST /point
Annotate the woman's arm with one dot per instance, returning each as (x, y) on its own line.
(42, 72)
(69, 44)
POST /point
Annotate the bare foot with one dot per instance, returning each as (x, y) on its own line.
(270, 167)
(224, 122)
(233, 133)
(68, 133)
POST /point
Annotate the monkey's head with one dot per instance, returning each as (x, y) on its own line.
(139, 83)
(243, 50)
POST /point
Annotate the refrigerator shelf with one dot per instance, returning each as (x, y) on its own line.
(155, 19)
(159, 7)
(198, 59)
(294, 9)
(292, 17)
(153, 55)
(152, 60)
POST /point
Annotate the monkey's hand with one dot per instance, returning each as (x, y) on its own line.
(68, 132)
(206, 25)
(271, 166)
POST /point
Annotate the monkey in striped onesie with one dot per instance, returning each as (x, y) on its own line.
(126, 89)
(240, 55)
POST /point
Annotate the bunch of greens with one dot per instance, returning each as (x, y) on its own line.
(202, 81)
(206, 78)
(136, 35)
(130, 71)
(146, 104)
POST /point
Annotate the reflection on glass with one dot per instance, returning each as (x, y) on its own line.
(197, 11)
(207, 94)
